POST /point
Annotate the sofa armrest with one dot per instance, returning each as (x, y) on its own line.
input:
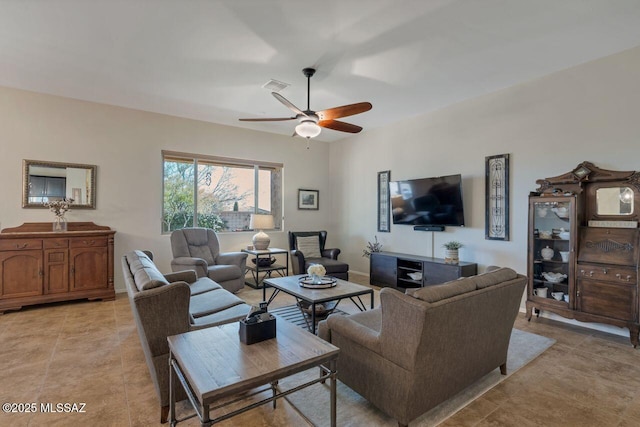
(297, 262)
(331, 253)
(188, 276)
(162, 312)
(356, 332)
(399, 343)
(232, 258)
(187, 263)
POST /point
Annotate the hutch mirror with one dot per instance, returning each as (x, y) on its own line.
(614, 201)
(44, 182)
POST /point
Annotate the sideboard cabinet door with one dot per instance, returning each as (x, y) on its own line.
(88, 267)
(20, 273)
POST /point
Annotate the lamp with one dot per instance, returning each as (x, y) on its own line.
(259, 222)
(308, 129)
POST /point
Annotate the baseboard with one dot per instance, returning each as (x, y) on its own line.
(359, 272)
(623, 332)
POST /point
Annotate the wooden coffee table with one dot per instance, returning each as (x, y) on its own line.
(343, 289)
(212, 364)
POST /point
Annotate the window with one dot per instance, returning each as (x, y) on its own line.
(218, 193)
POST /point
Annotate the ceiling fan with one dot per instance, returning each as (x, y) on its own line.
(311, 122)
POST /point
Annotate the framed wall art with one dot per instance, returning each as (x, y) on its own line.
(308, 199)
(384, 210)
(497, 197)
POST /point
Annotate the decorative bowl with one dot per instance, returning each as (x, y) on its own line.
(564, 235)
(415, 276)
(264, 262)
(554, 277)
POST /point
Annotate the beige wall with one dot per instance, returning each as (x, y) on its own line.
(548, 126)
(126, 146)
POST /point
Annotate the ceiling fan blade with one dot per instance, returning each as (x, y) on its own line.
(273, 119)
(341, 126)
(288, 104)
(344, 111)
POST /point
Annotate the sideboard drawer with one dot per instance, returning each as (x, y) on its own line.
(88, 242)
(56, 243)
(20, 244)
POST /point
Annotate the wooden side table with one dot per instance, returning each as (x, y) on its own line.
(266, 271)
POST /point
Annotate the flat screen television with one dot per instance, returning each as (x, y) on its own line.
(428, 201)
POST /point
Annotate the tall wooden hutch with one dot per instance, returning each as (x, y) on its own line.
(583, 247)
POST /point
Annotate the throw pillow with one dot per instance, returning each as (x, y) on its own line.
(309, 246)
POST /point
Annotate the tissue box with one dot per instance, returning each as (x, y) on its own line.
(251, 333)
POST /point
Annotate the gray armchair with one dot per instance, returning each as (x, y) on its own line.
(307, 247)
(199, 249)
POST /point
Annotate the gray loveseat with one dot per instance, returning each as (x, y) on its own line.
(417, 350)
(165, 305)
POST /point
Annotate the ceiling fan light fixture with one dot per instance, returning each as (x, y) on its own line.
(308, 129)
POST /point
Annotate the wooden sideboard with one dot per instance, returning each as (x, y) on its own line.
(39, 266)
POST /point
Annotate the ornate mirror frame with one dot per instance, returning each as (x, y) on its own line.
(84, 190)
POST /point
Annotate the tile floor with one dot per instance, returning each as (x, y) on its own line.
(89, 352)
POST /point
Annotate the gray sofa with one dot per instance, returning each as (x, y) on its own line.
(165, 305)
(418, 349)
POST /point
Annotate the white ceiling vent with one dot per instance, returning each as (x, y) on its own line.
(275, 85)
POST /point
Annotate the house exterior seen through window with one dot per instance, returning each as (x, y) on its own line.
(218, 193)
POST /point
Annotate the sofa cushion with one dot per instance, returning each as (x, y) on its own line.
(494, 277)
(212, 302)
(145, 274)
(223, 272)
(202, 285)
(446, 290)
(309, 246)
(228, 315)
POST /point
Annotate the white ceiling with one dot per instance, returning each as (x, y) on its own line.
(208, 60)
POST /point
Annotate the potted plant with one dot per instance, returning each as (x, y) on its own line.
(371, 247)
(451, 255)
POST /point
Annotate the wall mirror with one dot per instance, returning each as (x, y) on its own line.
(614, 201)
(44, 182)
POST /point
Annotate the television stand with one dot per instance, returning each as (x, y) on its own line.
(402, 271)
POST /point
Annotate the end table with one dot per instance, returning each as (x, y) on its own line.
(266, 271)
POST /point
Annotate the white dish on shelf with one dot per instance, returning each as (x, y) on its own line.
(554, 277)
(415, 275)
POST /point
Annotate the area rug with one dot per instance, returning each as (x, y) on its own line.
(354, 410)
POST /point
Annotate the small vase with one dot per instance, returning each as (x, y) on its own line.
(547, 253)
(60, 224)
(315, 279)
(451, 256)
